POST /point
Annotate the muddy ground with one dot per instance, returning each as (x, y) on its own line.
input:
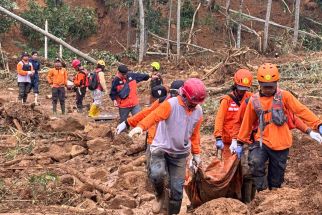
(73, 165)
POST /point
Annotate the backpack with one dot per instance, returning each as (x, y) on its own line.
(92, 80)
(125, 91)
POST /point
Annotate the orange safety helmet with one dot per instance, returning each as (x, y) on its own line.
(268, 73)
(243, 79)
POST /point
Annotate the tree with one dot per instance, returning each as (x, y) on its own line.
(268, 14)
(228, 20)
(178, 29)
(169, 27)
(6, 21)
(142, 31)
(296, 23)
(239, 23)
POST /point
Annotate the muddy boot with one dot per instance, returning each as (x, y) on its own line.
(247, 190)
(63, 112)
(174, 207)
(92, 111)
(158, 203)
(36, 99)
(79, 110)
(54, 109)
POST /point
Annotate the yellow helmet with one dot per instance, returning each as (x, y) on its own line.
(156, 65)
(101, 62)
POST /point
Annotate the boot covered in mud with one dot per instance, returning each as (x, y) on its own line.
(174, 207)
(157, 204)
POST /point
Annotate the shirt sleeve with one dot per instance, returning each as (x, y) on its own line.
(102, 81)
(195, 138)
(220, 118)
(159, 114)
(113, 91)
(300, 110)
(20, 71)
(246, 127)
(134, 120)
(50, 76)
(138, 77)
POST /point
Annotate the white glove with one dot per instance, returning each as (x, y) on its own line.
(196, 159)
(316, 136)
(121, 127)
(233, 146)
(136, 130)
(30, 73)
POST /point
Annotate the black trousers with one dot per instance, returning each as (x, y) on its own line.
(24, 89)
(58, 93)
(80, 95)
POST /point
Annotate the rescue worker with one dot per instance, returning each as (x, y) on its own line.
(57, 78)
(178, 132)
(156, 78)
(25, 71)
(98, 93)
(124, 91)
(79, 84)
(228, 110)
(273, 139)
(35, 77)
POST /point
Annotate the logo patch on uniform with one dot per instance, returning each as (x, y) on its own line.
(159, 92)
(130, 78)
(121, 82)
(268, 77)
(245, 81)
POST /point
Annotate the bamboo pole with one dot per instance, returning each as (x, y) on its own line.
(49, 35)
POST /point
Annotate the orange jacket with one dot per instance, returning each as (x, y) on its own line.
(276, 137)
(292, 120)
(20, 70)
(57, 78)
(163, 112)
(226, 117)
(134, 120)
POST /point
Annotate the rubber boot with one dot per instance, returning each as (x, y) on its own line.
(174, 207)
(247, 190)
(97, 111)
(55, 109)
(36, 99)
(158, 203)
(63, 112)
(92, 110)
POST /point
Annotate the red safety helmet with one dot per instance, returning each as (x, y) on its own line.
(76, 63)
(194, 90)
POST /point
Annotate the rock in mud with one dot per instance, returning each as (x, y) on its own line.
(58, 153)
(222, 206)
(122, 200)
(98, 144)
(77, 150)
(70, 124)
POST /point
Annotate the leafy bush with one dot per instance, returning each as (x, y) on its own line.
(63, 21)
(155, 21)
(6, 21)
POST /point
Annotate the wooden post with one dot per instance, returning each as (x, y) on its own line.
(142, 31)
(50, 36)
(178, 29)
(46, 40)
(296, 22)
(60, 51)
(239, 23)
(268, 15)
(169, 29)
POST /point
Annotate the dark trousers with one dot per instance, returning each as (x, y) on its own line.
(35, 83)
(162, 165)
(80, 95)
(24, 89)
(276, 166)
(124, 112)
(58, 93)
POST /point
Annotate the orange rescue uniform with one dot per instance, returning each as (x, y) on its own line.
(276, 137)
(134, 120)
(57, 78)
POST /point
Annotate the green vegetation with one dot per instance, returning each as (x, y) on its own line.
(67, 23)
(187, 12)
(6, 22)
